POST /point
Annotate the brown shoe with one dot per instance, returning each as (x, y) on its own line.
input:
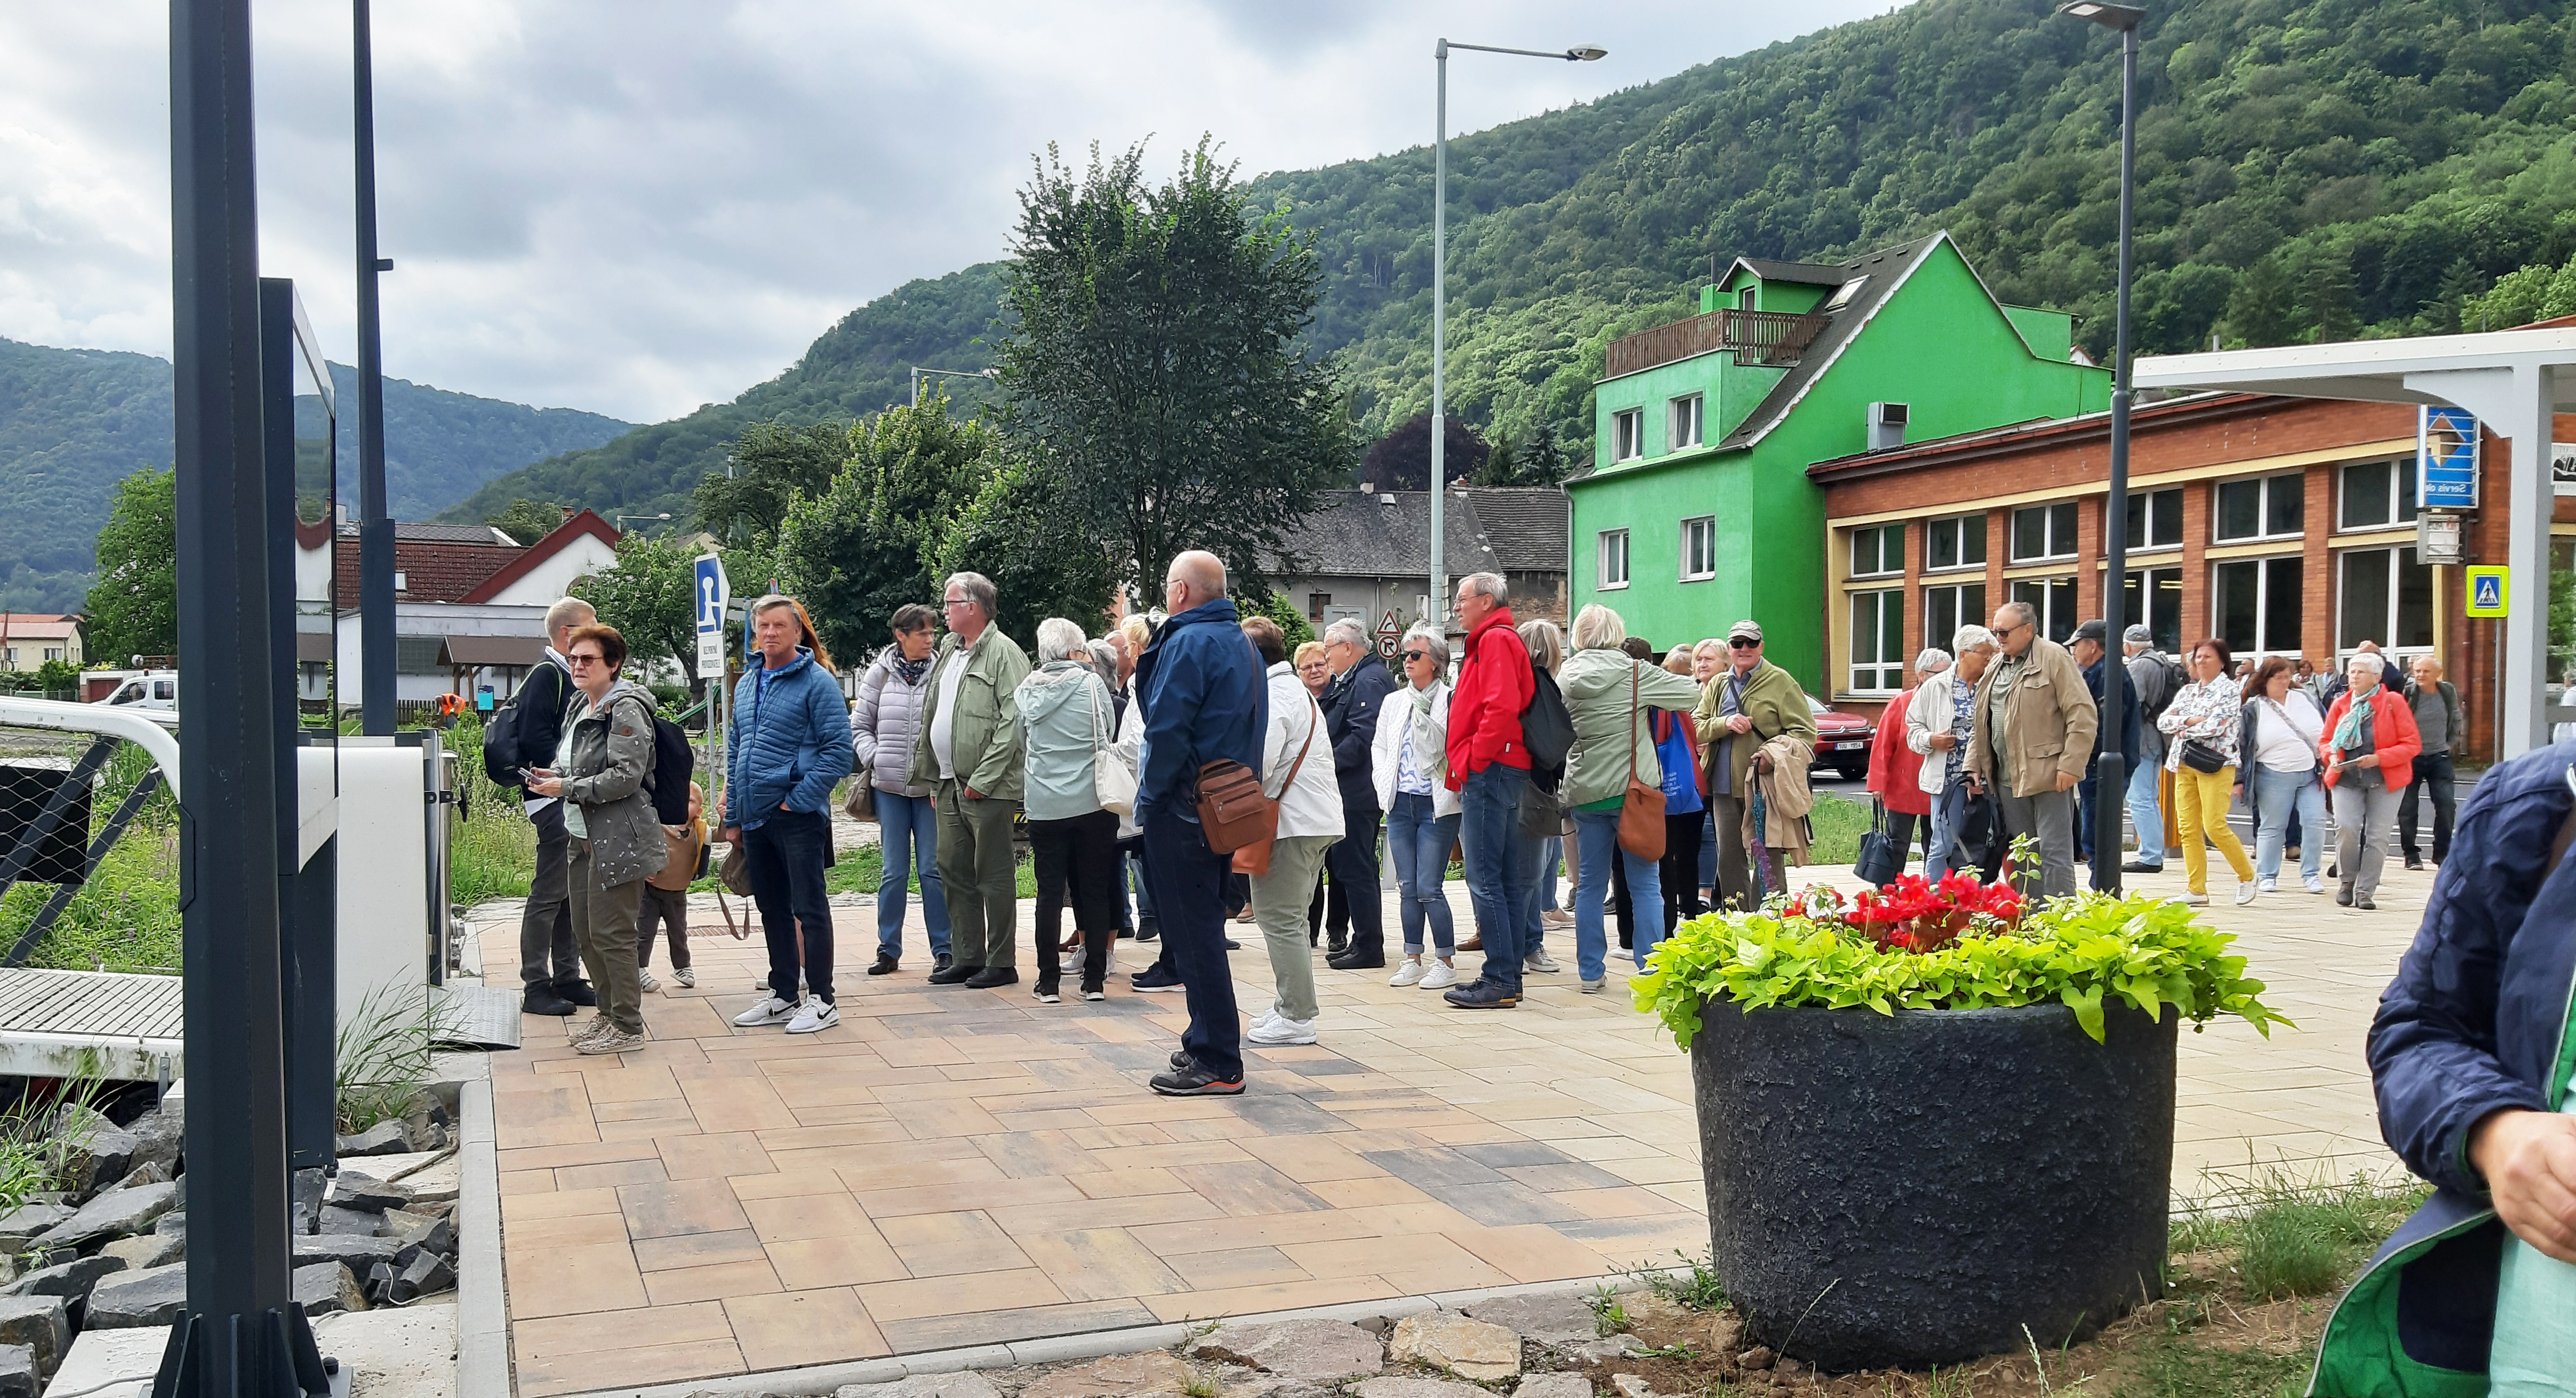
(1475, 943)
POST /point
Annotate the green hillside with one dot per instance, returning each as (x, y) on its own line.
(2306, 170)
(74, 422)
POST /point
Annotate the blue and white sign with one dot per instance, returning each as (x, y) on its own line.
(2446, 459)
(714, 591)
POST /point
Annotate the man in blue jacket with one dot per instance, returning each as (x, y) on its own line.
(1205, 700)
(788, 745)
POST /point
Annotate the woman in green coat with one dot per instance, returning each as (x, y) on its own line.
(1608, 694)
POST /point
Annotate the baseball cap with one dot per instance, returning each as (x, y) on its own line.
(1745, 630)
(2138, 636)
(2092, 631)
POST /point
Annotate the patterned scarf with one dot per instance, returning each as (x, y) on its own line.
(909, 671)
(2347, 735)
(1432, 757)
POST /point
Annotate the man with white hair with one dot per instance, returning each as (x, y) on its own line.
(1352, 698)
(1489, 766)
(550, 980)
(2157, 680)
(969, 753)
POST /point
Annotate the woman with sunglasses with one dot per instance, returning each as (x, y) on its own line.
(1410, 762)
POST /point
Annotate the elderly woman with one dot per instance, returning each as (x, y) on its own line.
(2369, 750)
(884, 720)
(1065, 720)
(2279, 736)
(1708, 658)
(2206, 720)
(1896, 769)
(1611, 698)
(1297, 772)
(1410, 762)
(1939, 720)
(600, 772)
(1546, 645)
(1314, 669)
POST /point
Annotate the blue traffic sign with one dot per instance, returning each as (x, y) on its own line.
(2446, 459)
(712, 594)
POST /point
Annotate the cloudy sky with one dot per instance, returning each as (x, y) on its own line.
(636, 206)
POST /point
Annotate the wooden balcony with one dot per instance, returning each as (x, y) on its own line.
(1769, 338)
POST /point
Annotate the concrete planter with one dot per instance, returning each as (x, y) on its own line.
(1914, 1190)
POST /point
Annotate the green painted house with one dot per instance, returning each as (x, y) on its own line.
(1697, 510)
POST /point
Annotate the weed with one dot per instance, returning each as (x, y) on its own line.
(1199, 1386)
(1608, 1316)
(1698, 1291)
(2293, 1236)
(35, 1146)
(2167, 1367)
(384, 1054)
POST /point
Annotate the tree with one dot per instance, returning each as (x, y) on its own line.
(771, 464)
(1160, 387)
(527, 520)
(1292, 623)
(2260, 313)
(1401, 460)
(1542, 462)
(650, 597)
(1017, 532)
(869, 542)
(134, 606)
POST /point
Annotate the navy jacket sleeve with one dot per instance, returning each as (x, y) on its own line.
(2434, 1045)
(1356, 731)
(1171, 752)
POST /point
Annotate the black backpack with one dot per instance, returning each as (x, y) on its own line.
(2149, 710)
(1547, 731)
(671, 754)
(502, 738)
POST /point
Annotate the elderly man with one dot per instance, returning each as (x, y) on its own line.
(1358, 688)
(2439, 717)
(550, 980)
(969, 755)
(1749, 703)
(1489, 768)
(2090, 649)
(2155, 678)
(1205, 700)
(2033, 740)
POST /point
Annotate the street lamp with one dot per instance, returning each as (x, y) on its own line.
(918, 371)
(2110, 780)
(621, 519)
(1580, 53)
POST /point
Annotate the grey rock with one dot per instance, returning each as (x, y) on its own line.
(358, 1251)
(304, 1191)
(427, 1275)
(325, 1287)
(149, 1172)
(1758, 1357)
(173, 1223)
(148, 1249)
(383, 1138)
(1312, 1350)
(102, 1157)
(1550, 1320)
(353, 1190)
(1631, 1386)
(380, 1282)
(963, 1384)
(435, 1183)
(18, 1372)
(119, 1213)
(339, 1220)
(160, 1135)
(1612, 1347)
(412, 1225)
(41, 1323)
(28, 1221)
(1153, 1372)
(1471, 1349)
(73, 1278)
(1560, 1384)
(127, 1300)
(439, 1237)
(1393, 1387)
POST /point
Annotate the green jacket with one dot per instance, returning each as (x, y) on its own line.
(986, 735)
(1597, 685)
(1772, 700)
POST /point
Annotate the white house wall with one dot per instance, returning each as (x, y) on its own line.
(551, 580)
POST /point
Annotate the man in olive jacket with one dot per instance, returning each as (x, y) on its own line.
(2035, 723)
(968, 753)
(1747, 704)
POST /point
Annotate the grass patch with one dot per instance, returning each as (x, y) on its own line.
(1838, 825)
(35, 1152)
(2172, 1366)
(126, 916)
(384, 1055)
(2293, 1236)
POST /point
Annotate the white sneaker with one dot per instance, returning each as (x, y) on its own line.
(770, 1011)
(2271, 885)
(2245, 891)
(2316, 885)
(685, 978)
(1539, 960)
(813, 1016)
(1280, 1029)
(1408, 973)
(1594, 987)
(2195, 900)
(644, 981)
(1438, 975)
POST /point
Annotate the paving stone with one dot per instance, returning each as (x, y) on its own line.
(1560, 1384)
(1550, 1320)
(1118, 1376)
(118, 1213)
(1471, 1349)
(1311, 1350)
(27, 1221)
(151, 1296)
(18, 1372)
(40, 1323)
(147, 1249)
(383, 1138)
(1391, 1386)
(73, 1278)
(964, 1384)
(325, 1287)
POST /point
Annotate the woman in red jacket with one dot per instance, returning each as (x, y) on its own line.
(2369, 751)
(1896, 770)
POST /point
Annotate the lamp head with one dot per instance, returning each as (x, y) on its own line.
(2104, 13)
(1586, 53)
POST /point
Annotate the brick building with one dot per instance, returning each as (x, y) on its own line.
(2281, 525)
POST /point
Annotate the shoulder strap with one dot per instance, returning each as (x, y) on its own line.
(1314, 721)
(1633, 682)
(2566, 831)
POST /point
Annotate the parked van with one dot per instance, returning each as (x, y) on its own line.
(149, 689)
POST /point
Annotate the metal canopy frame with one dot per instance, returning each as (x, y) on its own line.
(2514, 381)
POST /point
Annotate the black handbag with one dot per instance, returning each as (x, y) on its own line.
(2201, 757)
(1980, 819)
(1881, 858)
(1542, 814)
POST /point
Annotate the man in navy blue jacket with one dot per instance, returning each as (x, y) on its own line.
(1205, 700)
(1358, 690)
(789, 745)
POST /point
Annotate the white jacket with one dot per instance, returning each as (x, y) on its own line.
(1313, 804)
(1395, 723)
(1938, 694)
(1129, 749)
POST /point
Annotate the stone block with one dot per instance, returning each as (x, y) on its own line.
(119, 1213)
(68, 1279)
(383, 1138)
(151, 1296)
(1609, 1347)
(160, 1135)
(149, 1172)
(425, 1275)
(147, 1250)
(1393, 1386)
(353, 1190)
(1560, 1384)
(171, 1223)
(356, 1250)
(40, 1323)
(18, 1372)
(437, 1182)
(325, 1287)
(1631, 1386)
(963, 1384)
(1311, 1350)
(1550, 1320)
(1154, 1372)
(28, 1221)
(1469, 1348)
(339, 1220)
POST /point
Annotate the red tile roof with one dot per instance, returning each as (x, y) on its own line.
(432, 571)
(585, 522)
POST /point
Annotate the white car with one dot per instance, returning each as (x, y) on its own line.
(153, 689)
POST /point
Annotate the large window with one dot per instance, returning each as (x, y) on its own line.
(2267, 507)
(2256, 604)
(1628, 434)
(1699, 548)
(2054, 600)
(2155, 519)
(1614, 558)
(2377, 495)
(1686, 415)
(2160, 607)
(1957, 542)
(2385, 596)
(1949, 606)
(1877, 642)
(2043, 531)
(1878, 550)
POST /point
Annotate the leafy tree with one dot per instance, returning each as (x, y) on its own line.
(133, 608)
(1160, 389)
(1019, 532)
(1542, 462)
(1292, 622)
(650, 597)
(870, 541)
(527, 520)
(772, 464)
(1401, 460)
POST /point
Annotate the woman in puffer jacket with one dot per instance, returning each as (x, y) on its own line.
(1065, 722)
(1296, 772)
(600, 772)
(884, 720)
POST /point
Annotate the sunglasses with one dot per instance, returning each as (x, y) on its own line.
(1417, 655)
(579, 659)
(1739, 643)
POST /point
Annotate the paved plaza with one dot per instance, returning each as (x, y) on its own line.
(950, 1167)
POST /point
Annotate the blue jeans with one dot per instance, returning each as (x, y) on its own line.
(1540, 892)
(1420, 843)
(1598, 835)
(1708, 856)
(2145, 814)
(1944, 855)
(1499, 867)
(2278, 798)
(908, 825)
(786, 853)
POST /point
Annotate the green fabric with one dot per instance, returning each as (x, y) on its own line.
(2360, 1356)
(1431, 757)
(2535, 1332)
(1612, 804)
(986, 730)
(1608, 696)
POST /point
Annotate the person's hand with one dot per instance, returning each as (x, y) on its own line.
(2529, 1161)
(973, 795)
(1943, 742)
(2371, 761)
(1976, 784)
(732, 835)
(2066, 781)
(784, 807)
(1738, 723)
(543, 782)
(2239, 793)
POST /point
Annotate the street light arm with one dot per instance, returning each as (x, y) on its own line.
(1580, 53)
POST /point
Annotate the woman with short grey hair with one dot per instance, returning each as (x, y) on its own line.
(1065, 720)
(1409, 760)
(1939, 720)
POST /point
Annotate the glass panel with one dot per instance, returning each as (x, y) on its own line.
(2030, 533)
(2061, 528)
(1972, 606)
(2238, 589)
(2168, 519)
(1972, 539)
(2240, 512)
(2365, 494)
(2406, 509)
(2285, 509)
(2414, 601)
(1941, 544)
(2162, 609)
(1891, 636)
(1940, 616)
(2062, 608)
(2281, 604)
(2363, 615)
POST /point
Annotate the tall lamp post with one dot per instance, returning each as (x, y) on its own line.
(1581, 53)
(918, 371)
(2110, 781)
(375, 517)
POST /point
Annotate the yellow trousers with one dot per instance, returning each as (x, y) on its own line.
(2200, 807)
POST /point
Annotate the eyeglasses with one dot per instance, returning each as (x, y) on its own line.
(578, 659)
(1741, 643)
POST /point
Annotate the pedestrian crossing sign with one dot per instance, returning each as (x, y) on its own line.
(2489, 592)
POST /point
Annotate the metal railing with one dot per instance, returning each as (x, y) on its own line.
(54, 761)
(1773, 339)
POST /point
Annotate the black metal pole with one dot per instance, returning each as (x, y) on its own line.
(375, 521)
(2110, 777)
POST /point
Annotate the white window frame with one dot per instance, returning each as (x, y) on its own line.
(1891, 561)
(2400, 509)
(2266, 645)
(1686, 418)
(2263, 510)
(1705, 526)
(2058, 549)
(1883, 673)
(1627, 434)
(2056, 592)
(1607, 544)
(2382, 628)
(2148, 500)
(1957, 526)
(1956, 587)
(2142, 611)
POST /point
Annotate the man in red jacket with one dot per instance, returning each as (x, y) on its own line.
(1489, 767)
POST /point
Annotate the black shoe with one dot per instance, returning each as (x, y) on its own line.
(941, 962)
(578, 991)
(1181, 1060)
(954, 975)
(885, 965)
(1482, 995)
(2134, 867)
(1047, 995)
(1191, 1082)
(1233, 945)
(1148, 930)
(1154, 978)
(2414, 863)
(991, 976)
(540, 999)
(1093, 990)
(1337, 945)
(1353, 961)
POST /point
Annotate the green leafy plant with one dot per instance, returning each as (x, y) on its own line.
(1696, 1287)
(384, 1054)
(2079, 951)
(39, 1134)
(1608, 1316)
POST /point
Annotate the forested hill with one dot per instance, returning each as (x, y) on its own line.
(2306, 170)
(74, 422)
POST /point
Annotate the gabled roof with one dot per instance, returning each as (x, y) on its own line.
(587, 522)
(1886, 270)
(39, 626)
(1358, 533)
(433, 570)
(1803, 273)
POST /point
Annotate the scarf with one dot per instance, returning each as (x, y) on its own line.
(2347, 735)
(1433, 760)
(909, 671)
